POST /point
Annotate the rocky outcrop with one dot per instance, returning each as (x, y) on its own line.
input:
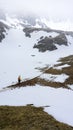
(49, 43)
(3, 28)
(60, 39)
(29, 30)
(45, 44)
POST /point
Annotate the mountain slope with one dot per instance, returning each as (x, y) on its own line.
(28, 117)
(35, 53)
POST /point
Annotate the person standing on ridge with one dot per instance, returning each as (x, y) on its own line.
(19, 79)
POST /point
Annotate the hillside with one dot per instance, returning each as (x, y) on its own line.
(44, 59)
(28, 118)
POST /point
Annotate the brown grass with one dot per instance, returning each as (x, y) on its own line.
(43, 82)
(28, 118)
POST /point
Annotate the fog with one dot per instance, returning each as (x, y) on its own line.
(58, 9)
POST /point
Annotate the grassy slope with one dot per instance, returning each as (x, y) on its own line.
(32, 118)
(43, 82)
(28, 118)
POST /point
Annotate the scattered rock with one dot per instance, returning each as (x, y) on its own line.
(33, 55)
(19, 45)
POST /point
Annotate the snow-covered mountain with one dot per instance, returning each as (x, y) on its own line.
(35, 21)
(31, 47)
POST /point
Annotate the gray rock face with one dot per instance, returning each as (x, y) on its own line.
(29, 30)
(49, 43)
(45, 44)
(60, 39)
(2, 31)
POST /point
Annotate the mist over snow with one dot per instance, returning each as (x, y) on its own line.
(52, 9)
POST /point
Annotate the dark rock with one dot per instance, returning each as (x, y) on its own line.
(33, 55)
(41, 37)
(3, 28)
(48, 43)
(45, 44)
(2, 36)
(19, 45)
(29, 30)
(27, 34)
(60, 39)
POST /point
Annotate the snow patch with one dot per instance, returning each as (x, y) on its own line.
(58, 25)
(16, 58)
(71, 86)
(61, 66)
(55, 78)
(60, 100)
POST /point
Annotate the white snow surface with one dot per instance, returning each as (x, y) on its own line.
(55, 78)
(60, 100)
(71, 86)
(65, 25)
(12, 22)
(62, 66)
(17, 57)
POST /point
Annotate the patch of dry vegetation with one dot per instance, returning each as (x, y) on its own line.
(68, 70)
(28, 118)
(65, 70)
(43, 82)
